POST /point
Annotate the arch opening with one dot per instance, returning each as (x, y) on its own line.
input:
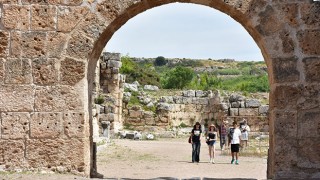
(117, 23)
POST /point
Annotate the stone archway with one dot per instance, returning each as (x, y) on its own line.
(48, 53)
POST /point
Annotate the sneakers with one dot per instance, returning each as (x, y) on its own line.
(212, 161)
(232, 161)
(237, 162)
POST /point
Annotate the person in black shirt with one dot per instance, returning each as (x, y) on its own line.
(196, 142)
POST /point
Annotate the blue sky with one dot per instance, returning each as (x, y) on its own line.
(182, 30)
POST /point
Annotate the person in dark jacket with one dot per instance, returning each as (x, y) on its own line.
(196, 142)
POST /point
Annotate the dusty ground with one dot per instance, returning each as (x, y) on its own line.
(161, 158)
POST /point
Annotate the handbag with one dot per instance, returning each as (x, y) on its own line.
(189, 140)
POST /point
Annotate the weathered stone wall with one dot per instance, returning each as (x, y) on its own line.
(195, 105)
(48, 54)
(107, 116)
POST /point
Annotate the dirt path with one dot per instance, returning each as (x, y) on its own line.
(160, 158)
(172, 158)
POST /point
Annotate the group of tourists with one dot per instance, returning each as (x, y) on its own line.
(236, 136)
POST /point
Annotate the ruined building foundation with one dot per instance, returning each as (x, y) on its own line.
(48, 55)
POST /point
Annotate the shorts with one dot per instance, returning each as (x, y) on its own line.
(211, 143)
(235, 147)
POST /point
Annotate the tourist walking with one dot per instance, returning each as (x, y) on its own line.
(235, 143)
(211, 138)
(196, 142)
(245, 129)
(223, 134)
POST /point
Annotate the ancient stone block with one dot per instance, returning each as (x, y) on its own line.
(189, 93)
(72, 71)
(15, 125)
(200, 93)
(18, 71)
(1, 71)
(114, 64)
(15, 42)
(44, 152)
(310, 14)
(285, 97)
(79, 46)
(308, 43)
(309, 124)
(287, 42)
(252, 103)
(69, 17)
(150, 121)
(9, 1)
(236, 97)
(4, 43)
(50, 153)
(108, 117)
(248, 112)
(57, 98)
(46, 125)
(108, 9)
(308, 154)
(16, 17)
(285, 69)
(189, 100)
(286, 124)
(234, 112)
(135, 121)
(33, 44)
(177, 99)
(43, 17)
(74, 153)
(57, 42)
(42, 2)
(310, 97)
(263, 109)
(93, 26)
(135, 114)
(74, 124)
(17, 98)
(12, 153)
(45, 71)
(312, 69)
(285, 161)
(289, 13)
(266, 25)
(236, 104)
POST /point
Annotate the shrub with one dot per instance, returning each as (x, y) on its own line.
(160, 61)
(177, 78)
(99, 100)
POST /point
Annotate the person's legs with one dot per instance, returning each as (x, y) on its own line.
(210, 153)
(213, 152)
(193, 152)
(233, 152)
(237, 154)
(198, 152)
(223, 140)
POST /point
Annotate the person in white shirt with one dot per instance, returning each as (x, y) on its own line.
(244, 127)
(235, 143)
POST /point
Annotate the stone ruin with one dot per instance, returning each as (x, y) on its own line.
(169, 111)
(48, 56)
(107, 115)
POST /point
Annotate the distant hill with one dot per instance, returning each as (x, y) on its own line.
(224, 74)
